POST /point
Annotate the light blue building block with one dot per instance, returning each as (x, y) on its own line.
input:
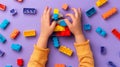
(56, 42)
(101, 32)
(16, 47)
(4, 24)
(91, 12)
(55, 16)
(87, 27)
(2, 39)
(62, 23)
(8, 66)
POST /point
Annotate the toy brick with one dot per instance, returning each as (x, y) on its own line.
(66, 50)
(29, 33)
(103, 50)
(56, 11)
(91, 12)
(59, 65)
(20, 62)
(2, 7)
(110, 63)
(20, 0)
(101, 32)
(56, 42)
(109, 13)
(87, 27)
(116, 33)
(13, 12)
(60, 15)
(55, 17)
(8, 66)
(62, 23)
(2, 39)
(99, 3)
(16, 47)
(29, 11)
(65, 6)
(14, 34)
(59, 28)
(4, 24)
(1, 53)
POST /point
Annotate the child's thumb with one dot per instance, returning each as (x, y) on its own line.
(53, 24)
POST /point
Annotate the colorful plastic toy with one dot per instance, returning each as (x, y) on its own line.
(109, 13)
(8, 66)
(66, 50)
(13, 12)
(59, 65)
(29, 11)
(59, 28)
(103, 50)
(2, 39)
(62, 23)
(116, 33)
(101, 32)
(14, 34)
(20, 62)
(56, 42)
(65, 6)
(16, 47)
(29, 33)
(55, 17)
(56, 11)
(87, 27)
(99, 3)
(4, 24)
(91, 12)
(2, 7)
(110, 63)
(1, 53)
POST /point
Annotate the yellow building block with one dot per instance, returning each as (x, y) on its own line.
(66, 50)
(56, 11)
(59, 28)
(101, 2)
(29, 33)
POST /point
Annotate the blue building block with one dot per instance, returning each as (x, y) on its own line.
(101, 32)
(1, 53)
(91, 12)
(56, 42)
(110, 63)
(55, 17)
(8, 66)
(87, 27)
(13, 12)
(103, 50)
(4, 24)
(62, 23)
(2, 39)
(16, 47)
(29, 11)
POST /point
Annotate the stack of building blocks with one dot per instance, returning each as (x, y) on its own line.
(116, 33)
(91, 12)
(8, 66)
(4, 24)
(20, 62)
(65, 6)
(66, 50)
(59, 28)
(99, 3)
(59, 65)
(13, 12)
(16, 47)
(110, 63)
(2, 7)
(101, 32)
(56, 42)
(109, 13)
(87, 27)
(2, 39)
(29, 33)
(103, 50)
(31, 11)
(14, 34)
(1, 53)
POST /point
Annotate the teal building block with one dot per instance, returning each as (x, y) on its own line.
(2, 39)
(101, 32)
(16, 47)
(4, 24)
(8, 66)
(87, 27)
(55, 17)
(56, 42)
(91, 12)
(62, 23)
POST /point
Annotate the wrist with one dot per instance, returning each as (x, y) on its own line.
(80, 38)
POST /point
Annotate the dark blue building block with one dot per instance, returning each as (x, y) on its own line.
(87, 27)
(91, 12)
(13, 12)
(1, 53)
(4, 24)
(110, 63)
(2, 39)
(16, 47)
(56, 42)
(8, 66)
(103, 50)
(55, 17)
(62, 23)
(29, 11)
(101, 32)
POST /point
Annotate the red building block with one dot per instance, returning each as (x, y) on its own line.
(2, 7)
(116, 33)
(20, 62)
(59, 65)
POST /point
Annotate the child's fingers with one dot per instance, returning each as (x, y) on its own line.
(48, 11)
(70, 15)
(68, 22)
(53, 24)
(75, 11)
(45, 10)
(79, 11)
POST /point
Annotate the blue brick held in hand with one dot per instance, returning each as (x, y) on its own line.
(13, 12)
(4, 24)
(110, 63)
(62, 23)
(91, 12)
(2, 39)
(103, 50)
(1, 53)
(16, 47)
(101, 32)
(29, 11)
(56, 42)
(87, 27)
(8, 66)
(55, 17)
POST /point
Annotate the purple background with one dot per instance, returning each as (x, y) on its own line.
(26, 22)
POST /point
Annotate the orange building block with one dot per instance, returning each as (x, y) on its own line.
(59, 65)
(29, 33)
(65, 6)
(14, 34)
(2, 7)
(109, 13)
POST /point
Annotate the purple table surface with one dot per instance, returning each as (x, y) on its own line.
(26, 22)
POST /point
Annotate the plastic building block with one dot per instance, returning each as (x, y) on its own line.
(66, 50)
(103, 50)
(59, 65)
(111, 64)
(13, 12)
(60, 15)
(29, 11)
(29, 33)
(109, 13)
(101, 32)
(55, 17)
(56, 42)
(20, 0)
(56, 11)
(87, 27)
(116, 33)
(8, 66)
(4, 24)
(65, 6)
(62, 23)
(2, 39)
(14, 34)
(91, 12)
(2, 7)
(59, 28)
(16, 47)
(20, 62)
(101, 2)
(1, 53)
